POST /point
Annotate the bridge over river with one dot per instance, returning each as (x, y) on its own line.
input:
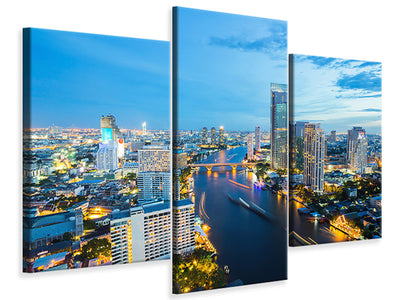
(209, 166)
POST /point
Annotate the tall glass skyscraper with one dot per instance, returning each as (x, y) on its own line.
(279, 126)
(314, 155)
(357, 149)
(109, 129)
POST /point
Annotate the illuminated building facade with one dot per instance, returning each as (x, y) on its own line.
(107, 156)
(221, 137)
(204, 135)
(279, 136)
(121, 238)
(213, 136)
(154, 160)
(141, 233)
(183, 230)
(314, 155)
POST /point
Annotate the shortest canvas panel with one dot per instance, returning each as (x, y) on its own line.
(230, 150)
(96, 165)
(335, 150)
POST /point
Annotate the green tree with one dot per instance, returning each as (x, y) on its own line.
(67, 236)
(96, 247)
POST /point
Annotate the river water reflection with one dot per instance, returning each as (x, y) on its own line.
(254, 248)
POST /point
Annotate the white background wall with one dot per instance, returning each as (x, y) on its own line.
(366, 30)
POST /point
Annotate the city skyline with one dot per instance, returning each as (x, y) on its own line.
(343, 93)
(77, 77)
(237, 58)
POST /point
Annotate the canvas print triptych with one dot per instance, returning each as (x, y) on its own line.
(265, 150)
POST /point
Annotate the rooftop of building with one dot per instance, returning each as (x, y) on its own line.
(182, 202)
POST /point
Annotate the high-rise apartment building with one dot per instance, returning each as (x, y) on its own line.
(213, 136)
(257, 138)
(107, 156)
(121, 237)
(279, 126)
(332, 137)
(221, 140)
(314, 155)
(154, 185)
(250, 147)
(204, 135)
(357, 147)
(141, 233)
(154, 160)
(183, 241)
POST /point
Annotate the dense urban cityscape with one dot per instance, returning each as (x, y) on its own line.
(253, 162)
(335, 180)
(95, 196)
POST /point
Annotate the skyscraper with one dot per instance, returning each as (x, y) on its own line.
(314, 155)
(213, 136)
(279, 126)
(357, 149)
(221, 140)
(257, 138)
(109, 129)
(250, 147)
(298, 140)
(144, 130)
(204, 135)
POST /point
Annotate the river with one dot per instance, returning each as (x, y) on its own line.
(306, 226)
(254, 248)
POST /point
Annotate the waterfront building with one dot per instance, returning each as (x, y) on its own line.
(298, 144)
(183, 242)
(257, 138)
(154, 185)
(221, 140)
(314, 155)
(154, 160)
(279, 126)
(213, 136)
(204, 134)
(180, 160)
(107, 156)
(250, 147)
(357, 147)
(176, 185)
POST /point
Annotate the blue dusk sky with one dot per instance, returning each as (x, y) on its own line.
(76, 78)
(338, 93)
(225, 66)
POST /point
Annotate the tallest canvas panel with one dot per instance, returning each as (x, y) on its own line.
(230, 150)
